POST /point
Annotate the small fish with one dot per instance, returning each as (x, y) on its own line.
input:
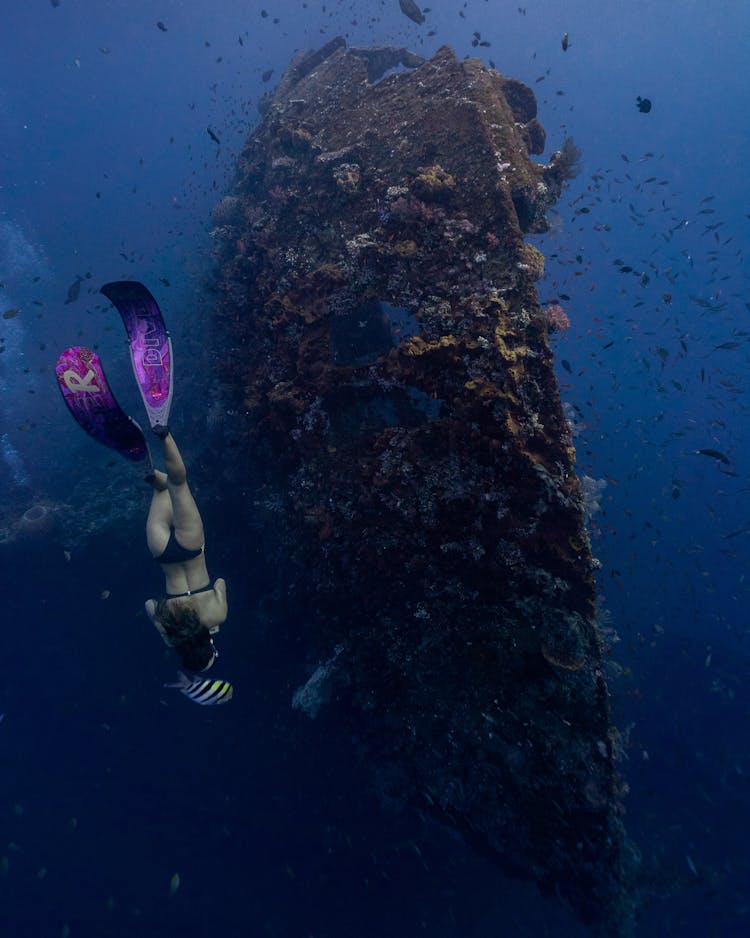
(55, 3)
(11, 313)
(105, 594)
(565, 42)
(174, 884)
(643, 104)
(714, 454)
(206, 692)
(161, 26)
(74, 291)
(164, 281)
(104, 50)
(409, 8)
(212, 135)
(266, 76)
(728, 345)
(566, 365)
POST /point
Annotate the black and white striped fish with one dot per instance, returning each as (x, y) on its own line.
(205, 692)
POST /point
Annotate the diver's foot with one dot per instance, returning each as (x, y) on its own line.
(157, 480)
(160, 430)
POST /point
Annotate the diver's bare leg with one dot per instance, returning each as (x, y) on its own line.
(159, 518)
(176, 472)
(157, 480)
(187, 521)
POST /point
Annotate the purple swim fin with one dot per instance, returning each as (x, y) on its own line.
(92, 403)
(150, 346)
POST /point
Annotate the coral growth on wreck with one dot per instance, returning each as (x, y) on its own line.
(386, 342)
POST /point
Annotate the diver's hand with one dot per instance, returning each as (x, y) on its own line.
(220, 588)
(150, 610)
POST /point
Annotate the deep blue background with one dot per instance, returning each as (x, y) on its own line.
(106, 169)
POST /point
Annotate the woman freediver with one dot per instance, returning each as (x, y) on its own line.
(192, 610)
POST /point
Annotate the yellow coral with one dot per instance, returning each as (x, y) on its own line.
(433, 181)
(532, 260)
(405, 248)
(347, 176)
(512, 425)
(514, 358)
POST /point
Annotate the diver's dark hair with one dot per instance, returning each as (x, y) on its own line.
(186, 633)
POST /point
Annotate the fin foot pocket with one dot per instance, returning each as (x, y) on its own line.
(149, 344)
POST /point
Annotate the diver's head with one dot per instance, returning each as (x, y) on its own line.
(198, 653)
(186, 633)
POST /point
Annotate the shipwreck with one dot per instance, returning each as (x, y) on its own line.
(383, 335)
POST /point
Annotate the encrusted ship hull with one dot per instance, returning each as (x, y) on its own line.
(388, 345)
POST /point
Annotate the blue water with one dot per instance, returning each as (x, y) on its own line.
(110, 784)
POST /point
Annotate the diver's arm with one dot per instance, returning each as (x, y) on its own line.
(220, 588)
(150, 610)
